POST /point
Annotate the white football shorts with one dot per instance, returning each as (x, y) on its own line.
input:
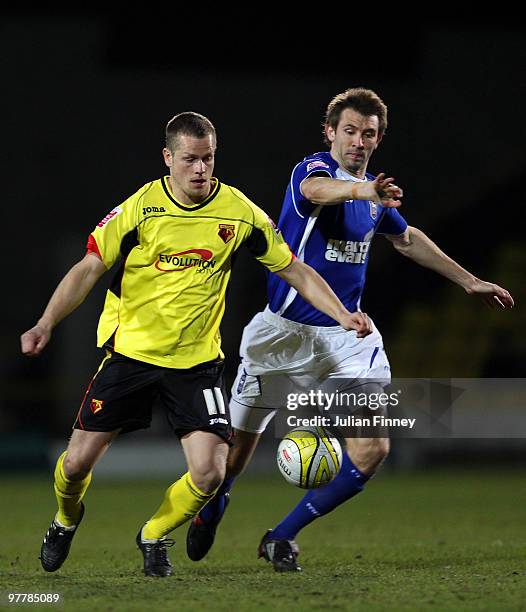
(279, 357)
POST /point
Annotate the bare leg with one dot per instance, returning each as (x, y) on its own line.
(201, 533)
(85, 448)
(367, 454)
(72, 478)
(73, 471)
(206, 456)
(240, 454)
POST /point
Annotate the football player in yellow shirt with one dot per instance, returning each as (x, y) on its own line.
(173, 242)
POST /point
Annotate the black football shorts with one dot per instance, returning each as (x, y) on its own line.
(123, 392)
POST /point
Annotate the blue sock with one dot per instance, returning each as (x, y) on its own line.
(318, 502)
(213, 512)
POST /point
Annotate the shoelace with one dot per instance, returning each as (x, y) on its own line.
(159, 550)
(284, 550)
(53, 533)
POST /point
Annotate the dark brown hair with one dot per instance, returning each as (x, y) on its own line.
(364, 101)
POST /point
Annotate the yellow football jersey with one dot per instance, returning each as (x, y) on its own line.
(167, 299)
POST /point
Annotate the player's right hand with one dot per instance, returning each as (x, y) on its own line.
(34, 340)
(358, 321)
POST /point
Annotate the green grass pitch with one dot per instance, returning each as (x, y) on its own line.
(441, 541)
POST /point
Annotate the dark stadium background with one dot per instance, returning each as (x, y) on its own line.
(84, 103)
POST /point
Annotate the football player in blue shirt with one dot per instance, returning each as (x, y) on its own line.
(331, 212)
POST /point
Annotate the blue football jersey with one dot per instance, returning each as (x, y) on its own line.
(335, 240)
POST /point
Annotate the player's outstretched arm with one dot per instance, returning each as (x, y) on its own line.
(312, 288)
(326, 191)
(414, 244)
(70, 293)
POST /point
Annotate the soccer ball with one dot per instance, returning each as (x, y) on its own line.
(308, 457)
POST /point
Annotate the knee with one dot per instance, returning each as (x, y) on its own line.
(368, 457)
(382, 448)
(208, 477)
(76, 467)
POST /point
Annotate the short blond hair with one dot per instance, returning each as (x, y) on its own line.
(190, 123)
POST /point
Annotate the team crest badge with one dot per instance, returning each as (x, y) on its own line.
(316, 164)
(373, 209)
(96, 405)
(226, 232)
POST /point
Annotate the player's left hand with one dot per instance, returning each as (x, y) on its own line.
(388, 194)
(493, 295)
(358, 321)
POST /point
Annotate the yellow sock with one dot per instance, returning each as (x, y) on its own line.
(182, 501)
(69, 494)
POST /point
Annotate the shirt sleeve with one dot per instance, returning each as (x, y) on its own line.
(91, 246)
(304, 170)
(107, 238)
(267, 244)
(391, 223)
